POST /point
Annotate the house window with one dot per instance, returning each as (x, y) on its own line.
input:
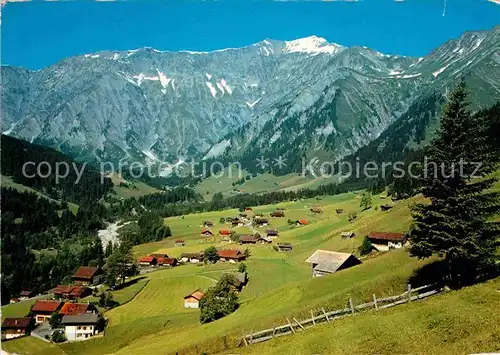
(79, 335)
(79, 327)
(84, 328)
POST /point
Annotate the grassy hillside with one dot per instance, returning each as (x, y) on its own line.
(459, 322)
(280, 286)
(280, 283)
(258, 184)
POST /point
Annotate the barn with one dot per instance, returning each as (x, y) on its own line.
(326, 262)
(193, 299)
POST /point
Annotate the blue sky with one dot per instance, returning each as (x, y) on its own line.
(37, 34)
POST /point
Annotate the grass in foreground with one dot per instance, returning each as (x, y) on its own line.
(459, 322)
(31, 346)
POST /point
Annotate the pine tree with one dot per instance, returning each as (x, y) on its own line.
(366, 201)
(457, 223)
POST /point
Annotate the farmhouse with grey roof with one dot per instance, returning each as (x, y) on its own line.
(326, 262)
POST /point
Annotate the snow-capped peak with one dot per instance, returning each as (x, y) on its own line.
(312, 45)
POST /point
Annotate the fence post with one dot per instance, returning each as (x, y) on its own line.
(290, 325)
(409, 293)
(274, 332)
(244, 338)
(312, 317)
(300, 325)
(326, 315)
(350, 303)
(375, 302)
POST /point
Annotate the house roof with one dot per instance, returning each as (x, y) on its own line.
(347, 233)
(25, 293)
(192, 255)
(328, 261)
(241, 277)
(46, 306)
(63, 289)
(303, 221)
(179, 241)
(247, 238)
(316, 209)
(86, 272)
(87, 318)
(167, 261)
(272, 231)
(146, 259)
(196, 294)
(206, 231)
(284, 245)
(230, 253)
(74, 308)
(16, 322)
(159, 255)
(78, 291)
(398, 237)
(224, 231)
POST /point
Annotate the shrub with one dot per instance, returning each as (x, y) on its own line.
(211, 254)
(58, 336)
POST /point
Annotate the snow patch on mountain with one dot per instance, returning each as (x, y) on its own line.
(213, 91)
(164, 81)
(437, 72)
(218, 149)
(226, 86)
(325, 130)
(252, 104)
(313, 45)
(209, 77)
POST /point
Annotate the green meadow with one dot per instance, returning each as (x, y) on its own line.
(280, 286)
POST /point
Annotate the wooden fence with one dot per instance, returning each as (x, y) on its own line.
(323, 316)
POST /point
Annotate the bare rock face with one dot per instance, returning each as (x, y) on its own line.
(166, 106)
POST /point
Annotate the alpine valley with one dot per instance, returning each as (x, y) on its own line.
(289, 98)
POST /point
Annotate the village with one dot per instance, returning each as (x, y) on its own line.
(73, 309)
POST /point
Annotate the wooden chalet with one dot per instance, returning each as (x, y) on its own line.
(147, 261)
(25, 294)
(272, 233)
(261, 222)
(385, 207)
(241, 279)
(383, 241)
(339, 210)
(192, 258)
(88, 275)
(315, 210)
(302, 222)
(237, 222)
(16, 327)
(207, 224)
(347, 235)
(284, 247)
(326, 262)
(206, 233)
(277, 213)
(248, 239)
(72, 291)
(43, 310)
(167, 262)
(193, 299)
(231, 255)
(224, 231)
(180, 243)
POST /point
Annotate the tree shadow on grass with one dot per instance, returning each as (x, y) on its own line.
(128, 283)
(438, 273)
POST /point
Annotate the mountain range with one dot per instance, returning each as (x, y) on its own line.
(299, 97)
